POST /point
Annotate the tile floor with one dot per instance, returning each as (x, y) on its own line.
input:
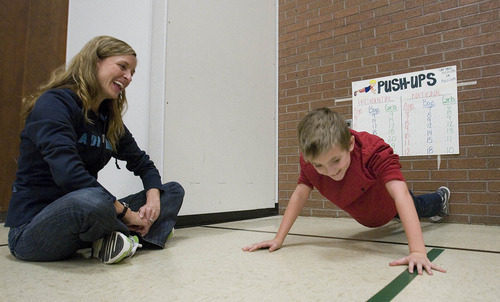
(323, 259)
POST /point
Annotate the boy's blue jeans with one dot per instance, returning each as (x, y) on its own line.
(81, 217)
(427, 205)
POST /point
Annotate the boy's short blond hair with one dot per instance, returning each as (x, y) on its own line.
(320, 130)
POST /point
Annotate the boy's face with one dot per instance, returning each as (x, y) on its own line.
(334, 162)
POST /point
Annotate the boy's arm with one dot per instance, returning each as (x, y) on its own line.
(409, 218)
(293, 209)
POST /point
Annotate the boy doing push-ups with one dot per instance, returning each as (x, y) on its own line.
(359, 173)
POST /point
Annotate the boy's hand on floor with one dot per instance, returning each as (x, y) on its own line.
(271, 244)
(419, 260)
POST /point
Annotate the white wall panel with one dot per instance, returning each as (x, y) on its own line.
(220, 103)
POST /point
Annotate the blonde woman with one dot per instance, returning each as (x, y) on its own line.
(73, 127)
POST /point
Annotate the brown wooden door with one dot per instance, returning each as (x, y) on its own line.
(32, 44)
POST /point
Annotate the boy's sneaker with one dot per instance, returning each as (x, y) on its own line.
(445, 193)
(114, 247)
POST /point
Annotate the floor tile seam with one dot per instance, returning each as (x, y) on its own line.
(356, 239)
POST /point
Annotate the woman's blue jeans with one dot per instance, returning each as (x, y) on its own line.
(81, 217)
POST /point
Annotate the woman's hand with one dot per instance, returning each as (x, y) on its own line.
(419, 260)
(151, 210)
(135, 223)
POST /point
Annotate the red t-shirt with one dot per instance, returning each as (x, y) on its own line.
(362, 192)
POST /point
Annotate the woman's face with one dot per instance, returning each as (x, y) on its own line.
(114, 74)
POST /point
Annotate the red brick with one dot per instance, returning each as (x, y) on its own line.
(469, 95)
(450, 175)
(486, 198)
(487, 38)
(416, 175)
(463, 219)
(471, 140)
(349, 11)
(368, 6)
(484, 174)
(390, 28)
(376, 22)
(494, 186)
(479, 18)
(489, 5)
(424, 20)
(374, 60)
(359, 18)
(425, 40)
(487, 220)
(440, 6)
(378, 40)
(468, 209)
(426, 60)
(460, 12)
(393, 65)
(340, 31)
(493, 139)
(468, 186)
(470, 74)
(444, 46)
(467, 2)
(465, 163)
(307, 31)
(494, 210)
(321, 36)
(360, 35)
(406, 14)
(390, 9)
(492, 93)
(482, 128)
(332, 25)
(392, 47)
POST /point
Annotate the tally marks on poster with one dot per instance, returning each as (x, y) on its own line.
(415, 113)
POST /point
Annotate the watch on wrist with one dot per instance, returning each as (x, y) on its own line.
(125, 209)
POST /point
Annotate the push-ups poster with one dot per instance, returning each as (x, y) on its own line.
(415, 113)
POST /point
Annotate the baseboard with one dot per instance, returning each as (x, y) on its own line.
(212, 218)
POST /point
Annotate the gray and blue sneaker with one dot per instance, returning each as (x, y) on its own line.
(445, 193)
(115, 247)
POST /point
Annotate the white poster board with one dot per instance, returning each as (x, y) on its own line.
(415, 113)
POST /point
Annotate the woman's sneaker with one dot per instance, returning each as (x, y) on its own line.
(445, 193)
(171, 234)
(115, 247)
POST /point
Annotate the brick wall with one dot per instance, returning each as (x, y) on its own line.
(325, 45)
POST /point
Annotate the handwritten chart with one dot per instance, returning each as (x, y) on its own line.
(415, 113)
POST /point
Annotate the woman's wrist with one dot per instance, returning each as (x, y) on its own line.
(121, 209)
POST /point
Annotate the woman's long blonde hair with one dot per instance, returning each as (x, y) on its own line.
(81, 76)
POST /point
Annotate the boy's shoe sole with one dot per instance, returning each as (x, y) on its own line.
(445, 207)
(112, 248)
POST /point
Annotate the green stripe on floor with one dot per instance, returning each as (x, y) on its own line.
(397, 285)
